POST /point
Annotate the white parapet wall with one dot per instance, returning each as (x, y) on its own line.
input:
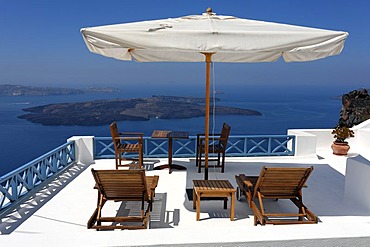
(84, 149)
(363, 141)
(357, 181)
(305, 142)
(309, 141)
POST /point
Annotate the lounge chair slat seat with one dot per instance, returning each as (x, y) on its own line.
(276, 183)
(123, 185)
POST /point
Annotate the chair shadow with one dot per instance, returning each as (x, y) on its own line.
(159, 216)
(149, 163)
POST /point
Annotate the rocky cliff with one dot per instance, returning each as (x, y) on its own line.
(355, 108)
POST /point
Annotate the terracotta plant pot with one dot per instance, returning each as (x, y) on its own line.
(340, 148)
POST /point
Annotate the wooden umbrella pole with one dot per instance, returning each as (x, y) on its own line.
(206, 147)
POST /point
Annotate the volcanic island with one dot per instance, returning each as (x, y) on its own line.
(102, 112)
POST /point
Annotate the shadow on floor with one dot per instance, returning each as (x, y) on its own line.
(324, 194)
(33, 202)
(159, 216)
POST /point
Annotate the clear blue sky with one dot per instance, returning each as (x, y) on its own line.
(41, 44)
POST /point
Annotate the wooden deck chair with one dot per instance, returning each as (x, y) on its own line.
(276, 183)
(123, 185)
(218, 143)
(126, 142)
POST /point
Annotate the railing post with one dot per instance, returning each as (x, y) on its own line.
(84, 149)
(14, 189)
(269, 145)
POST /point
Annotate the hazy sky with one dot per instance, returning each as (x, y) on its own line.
(41, 44)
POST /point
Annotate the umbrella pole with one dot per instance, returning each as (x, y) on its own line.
(206, 147)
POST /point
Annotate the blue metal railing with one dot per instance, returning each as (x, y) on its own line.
(18, 185)
(238, 146)
(29, 178)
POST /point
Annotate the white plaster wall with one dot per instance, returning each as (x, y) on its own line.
(305, 143)
(84, 149)
(309, 141)
(357, 181)
(363, 125)
(362, 142)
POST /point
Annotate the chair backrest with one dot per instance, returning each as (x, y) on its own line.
(115, 134)
(128, 185)
(282, 181)
(225, 134)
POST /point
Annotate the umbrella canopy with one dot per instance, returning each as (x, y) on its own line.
(210, 37)
(231, 39)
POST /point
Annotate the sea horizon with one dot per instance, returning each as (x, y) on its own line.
(282, 108)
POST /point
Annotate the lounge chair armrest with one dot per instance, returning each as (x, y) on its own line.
(154, 182)
(128, 138)
(131, 134)
(201, 135)
(244, 179)
(248, 183)
(211, 138)
(152, 185)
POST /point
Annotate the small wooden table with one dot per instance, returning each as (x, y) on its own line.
(170, 135)
(213, 188)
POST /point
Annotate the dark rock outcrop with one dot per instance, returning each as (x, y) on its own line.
(355, 108)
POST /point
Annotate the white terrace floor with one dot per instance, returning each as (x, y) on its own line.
(58, 215)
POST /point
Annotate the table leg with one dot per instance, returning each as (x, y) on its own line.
(170, 154)
(232, 206)
(170, 151)
(170, 166)
(198, 208)
(194, 199)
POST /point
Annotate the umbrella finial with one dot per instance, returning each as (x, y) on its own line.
(209, 10)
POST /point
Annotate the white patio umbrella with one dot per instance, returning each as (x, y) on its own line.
(210, 37)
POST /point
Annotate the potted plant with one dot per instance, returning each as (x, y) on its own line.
(340, 146)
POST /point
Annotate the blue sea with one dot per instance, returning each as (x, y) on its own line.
(283, 107)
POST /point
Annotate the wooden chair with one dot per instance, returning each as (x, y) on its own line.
(126, 142)
(217, 144)
(123, 185)
(276, 183)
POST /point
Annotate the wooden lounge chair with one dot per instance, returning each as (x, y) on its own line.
(123, 185)
(126, 142)
(218, 143)
(276, 183)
